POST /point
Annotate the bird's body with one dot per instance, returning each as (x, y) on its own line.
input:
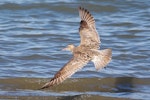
(85, 52)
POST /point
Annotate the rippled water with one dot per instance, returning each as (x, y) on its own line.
(32, 34)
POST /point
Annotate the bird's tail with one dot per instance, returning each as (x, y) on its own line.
(102, 58)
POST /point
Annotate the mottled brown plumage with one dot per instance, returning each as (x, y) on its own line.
(88, 33)
(85, 52)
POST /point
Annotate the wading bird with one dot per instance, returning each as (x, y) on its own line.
(88, 50)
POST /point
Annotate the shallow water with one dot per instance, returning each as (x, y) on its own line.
(32, 34)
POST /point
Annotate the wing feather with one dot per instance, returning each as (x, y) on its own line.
(86, 16)
(65, 72)
(88, 33)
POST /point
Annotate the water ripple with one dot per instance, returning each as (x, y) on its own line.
(32, 34)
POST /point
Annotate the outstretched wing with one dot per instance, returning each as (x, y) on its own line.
(87, 30)
(65, 72)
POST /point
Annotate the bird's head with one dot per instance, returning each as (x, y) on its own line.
(69, 47)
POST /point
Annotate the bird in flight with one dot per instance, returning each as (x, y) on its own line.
(88, 50)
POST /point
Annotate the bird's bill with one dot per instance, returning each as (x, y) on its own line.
(65, 49)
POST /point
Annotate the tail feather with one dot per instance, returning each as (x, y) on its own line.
(102, 58)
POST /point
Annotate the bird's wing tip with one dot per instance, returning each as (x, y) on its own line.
(80, 8)
(44, 86)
